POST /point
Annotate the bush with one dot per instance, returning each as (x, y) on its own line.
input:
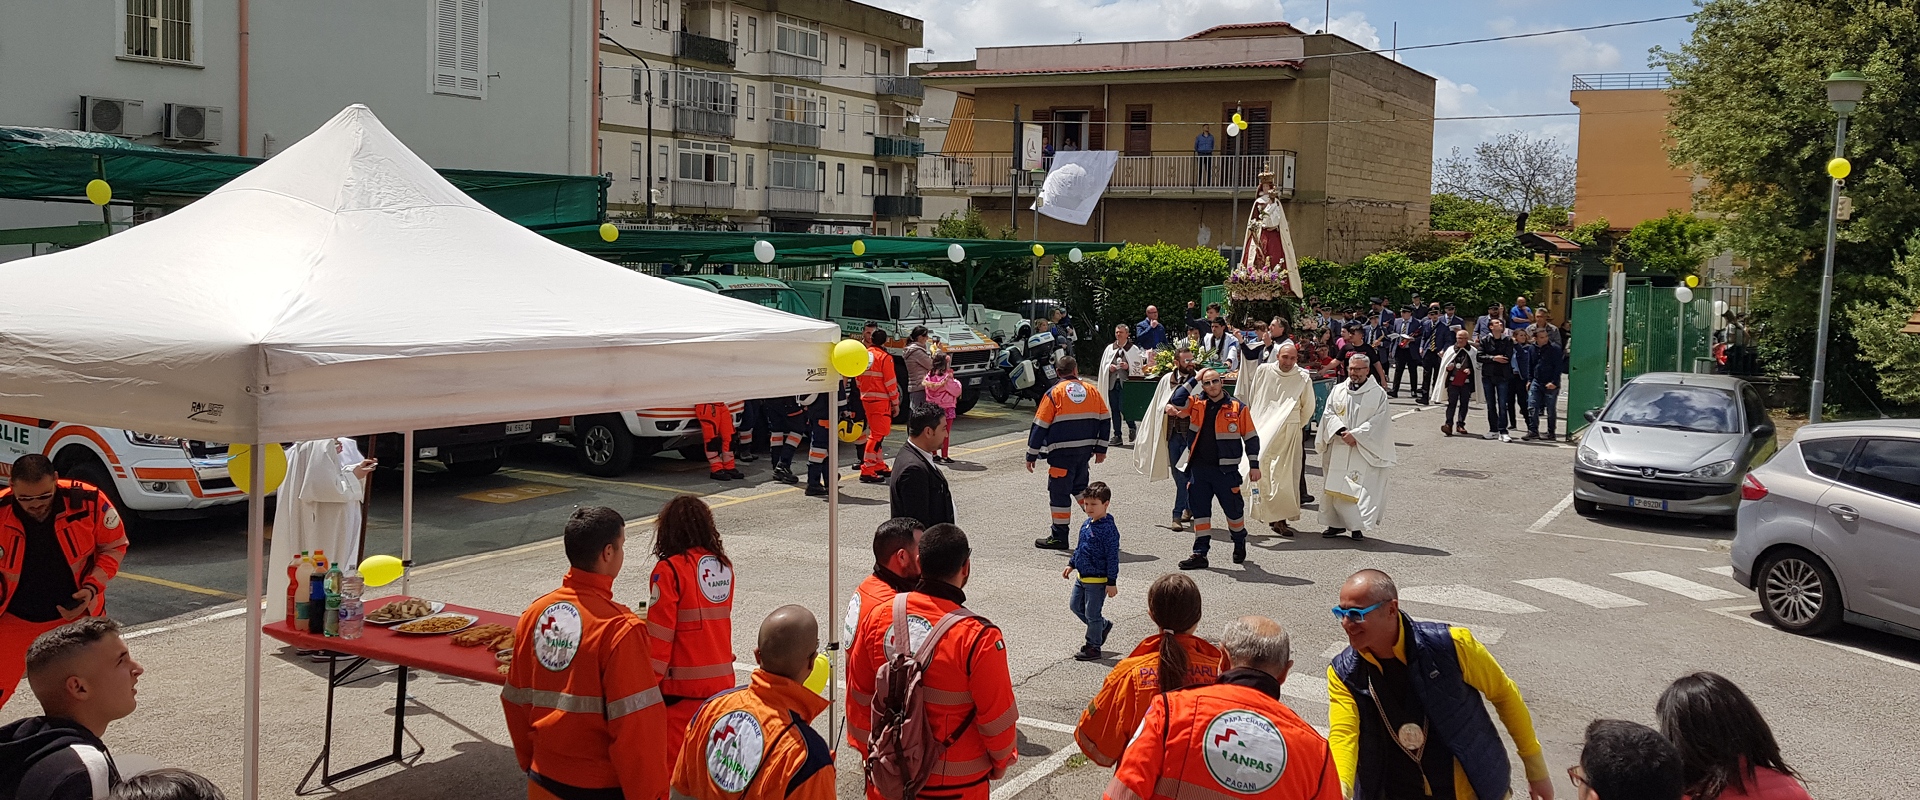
(1102, 292)
(1470, 282)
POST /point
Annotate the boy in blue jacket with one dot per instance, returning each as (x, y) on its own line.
(1097, 557)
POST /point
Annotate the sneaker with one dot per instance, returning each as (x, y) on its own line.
(1447, 429)
(1114, 442)
(784, 475)
(1490, 436)
(746, 458)
(1239, 552)
(1531, 437)
(1050, 543)
(1332, 533)
(1108, 628)
(1357, 535)
(1195, 561)
(1087, 653)
(816, 491)
(1505, 438)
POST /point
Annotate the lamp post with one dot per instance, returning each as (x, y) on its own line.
(1844, 90)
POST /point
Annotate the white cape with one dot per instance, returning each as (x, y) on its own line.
(1356, 493)
(318, 507)
(1136, 359)
(1151, 456)
(1282, 405)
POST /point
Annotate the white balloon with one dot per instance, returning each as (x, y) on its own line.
(1233, 130)
(1075, 255)
(1683, 294)
(763, 250)
(1719, 307)
(956, 253)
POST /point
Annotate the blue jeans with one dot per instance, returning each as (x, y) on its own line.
(1088, 601)
(1540, 398)
(1499, 393)
(1178, 443)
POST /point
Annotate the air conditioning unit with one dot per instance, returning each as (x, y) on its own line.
(193, 124)
(112, 115)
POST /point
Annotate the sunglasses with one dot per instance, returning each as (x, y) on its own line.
(1356, 615)
(33, 498)
(1214, 382)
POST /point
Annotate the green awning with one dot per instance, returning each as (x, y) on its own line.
(797, 249)
(52, 164)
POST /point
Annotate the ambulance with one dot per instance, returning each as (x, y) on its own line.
(145, 475)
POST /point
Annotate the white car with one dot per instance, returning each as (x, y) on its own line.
(143, 474)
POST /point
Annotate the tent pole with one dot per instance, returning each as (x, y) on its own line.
(256, 571)
(833, 568)
(406, 516)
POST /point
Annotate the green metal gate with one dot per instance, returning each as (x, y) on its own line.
(1661, 335)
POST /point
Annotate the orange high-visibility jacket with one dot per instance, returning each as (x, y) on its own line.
(873, 593)
(91, 536)
(1116, 711)
(755, 743)
(582, 706)
(967, 678)
(690, 617)
(1225, 740)
(878, 384)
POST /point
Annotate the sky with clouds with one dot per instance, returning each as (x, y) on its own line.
(1523, 76)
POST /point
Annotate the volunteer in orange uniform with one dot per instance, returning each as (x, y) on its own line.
(966, 682)
(716, 432)
(1232, 739)
(690, 613)
(880, 395)
(1172, 659)
(61, 541)
(582, 706)
(896, 569)
(754, 742)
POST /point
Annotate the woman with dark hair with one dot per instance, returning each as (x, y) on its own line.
(689, 613)
(1171, 659)
(1725, 746)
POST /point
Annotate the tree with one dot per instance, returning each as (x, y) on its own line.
(1674, 244)
(1515, 172)
(1002, 282)
(1894, 356)
(1451, 212)
(1750, 116)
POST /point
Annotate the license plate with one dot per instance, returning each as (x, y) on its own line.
(1642, 502)
(973, 381)
(519, 427)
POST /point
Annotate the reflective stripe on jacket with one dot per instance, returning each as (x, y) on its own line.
(1224, 741)
(1233, 431)
(756, 743)
(690, 619)
(879, 384)
(1071, 421)
(582, 706)
(1115, 713)
(92, 538)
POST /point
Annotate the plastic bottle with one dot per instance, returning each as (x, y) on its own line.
(333, 579)
(298, 591)
(352, 585)
(320, 563)
(293, 590)
(333, 614)
(316, 605)
(353, 617)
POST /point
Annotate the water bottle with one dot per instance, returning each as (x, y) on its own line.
(351, 582)
(353, 618)
(333, 614)
(333, 578)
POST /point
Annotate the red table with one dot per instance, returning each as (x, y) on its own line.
(430, 652)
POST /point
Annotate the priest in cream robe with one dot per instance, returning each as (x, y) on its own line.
(1281, 396)
(317, 507)
(1356, 449)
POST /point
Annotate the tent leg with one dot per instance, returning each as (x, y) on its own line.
(833, 571)
(406, 516)
(256, 572)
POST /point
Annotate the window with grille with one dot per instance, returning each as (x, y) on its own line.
(707, 91)
(794, 104)
(704, 161)
(460, 48)
(793, 171)
(799, 37)
(160, 29)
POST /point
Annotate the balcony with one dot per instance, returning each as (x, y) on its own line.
(898, 148)
(799, 134)
(1159, 174)
(899, 88)
(896, 205)
(702, 48)
(702, 194)
(805, 201)
(790, 65)
(702, 121)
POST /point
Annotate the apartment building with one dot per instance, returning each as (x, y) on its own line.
(795, 115)
(1623, 172)
(1347, 132)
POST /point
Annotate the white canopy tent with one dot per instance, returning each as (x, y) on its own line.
(342, 288)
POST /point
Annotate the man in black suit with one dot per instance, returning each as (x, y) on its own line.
(917, 487)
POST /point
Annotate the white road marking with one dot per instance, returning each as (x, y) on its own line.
(1467, 597)
(1548, 517)
(1309, 685)
(1677, 585)
(1046, 725)
(1581, 593)
(1029, 777)
(1726, 572)
(1332, 650)
(1620, 541)
(218, 615)
(1484, 634)
(1406, 413)
(1744, 614)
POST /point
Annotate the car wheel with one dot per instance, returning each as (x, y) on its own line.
(90, 471)
(966, 402)
(602, 445)
(1585, 508)
(477, 468)
(1799, 594)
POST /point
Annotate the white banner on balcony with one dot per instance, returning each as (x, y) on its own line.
(1075, 184)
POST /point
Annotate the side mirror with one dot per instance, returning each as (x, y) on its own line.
(1592, 414)
(1763, 430)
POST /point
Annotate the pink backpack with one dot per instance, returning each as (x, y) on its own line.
(903, 750)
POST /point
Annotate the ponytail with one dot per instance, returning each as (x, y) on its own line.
(1173, 603)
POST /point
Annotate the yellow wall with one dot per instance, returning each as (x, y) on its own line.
(1623, 171)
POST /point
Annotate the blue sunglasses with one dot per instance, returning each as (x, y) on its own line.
(1357, 615)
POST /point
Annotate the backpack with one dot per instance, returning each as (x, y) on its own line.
(903, 749)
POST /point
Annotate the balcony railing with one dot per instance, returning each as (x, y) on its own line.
(896, 205)
(898, 147)
(794, 66)
(702, 121)
(802, 200)
(702, 194)
(801, 134)
(1186, 173)
(899, 86)
(1597, 81)
(702, 48)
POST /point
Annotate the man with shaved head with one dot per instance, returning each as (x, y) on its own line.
(1231, 738)
(756, 742)
(1407, 716)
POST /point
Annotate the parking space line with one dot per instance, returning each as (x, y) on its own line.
(1019, 783)
(185, 587)
(991, 446)
(1548, 518)
(1743, 614)
(1676, 584)
(590, 478)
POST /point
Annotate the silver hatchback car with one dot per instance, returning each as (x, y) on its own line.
(1829, 529)
(1674, 443)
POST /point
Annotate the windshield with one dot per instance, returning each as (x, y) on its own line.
(1681, 408)
(786, 300)
(925, 301)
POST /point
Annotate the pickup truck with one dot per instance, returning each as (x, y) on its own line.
(900, 299)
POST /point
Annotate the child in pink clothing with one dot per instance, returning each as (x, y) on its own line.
(943, 390)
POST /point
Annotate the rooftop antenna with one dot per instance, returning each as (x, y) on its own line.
(1079, 36)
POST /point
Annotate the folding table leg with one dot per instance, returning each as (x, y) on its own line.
(323, 764)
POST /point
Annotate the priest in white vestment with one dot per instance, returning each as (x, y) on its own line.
(1356, 449)
(1281, 397)
(318, 507)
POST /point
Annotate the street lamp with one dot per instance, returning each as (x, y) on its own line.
(1844, 90)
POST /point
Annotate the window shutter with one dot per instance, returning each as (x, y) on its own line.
(1043, 115)
(1257, 130)
(1139, 130)
(1097, 129)
(460, 48)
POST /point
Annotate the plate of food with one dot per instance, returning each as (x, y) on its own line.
(405, 609)
(491, 636)
(437, 624)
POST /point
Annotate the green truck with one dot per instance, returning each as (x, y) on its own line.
(900, 299)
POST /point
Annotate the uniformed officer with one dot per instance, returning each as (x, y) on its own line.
(1069, 429)
(689, 613)
(896, 569)
(1223, 433)
(1233, 738)
(583, 707)
(61, 541)
(786, 421)
(716, 432)
(880, 397)
(755, 742)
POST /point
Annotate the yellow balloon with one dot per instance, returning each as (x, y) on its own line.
(1039, 251)
(852, 431)
(381, 570)
(849, 358)
(1236, 119)
(608, 232)
(1839, 168)
(817, 680)
(240, 466)
(1692, 281)
(1241, 124)
(99, 192)
(1113, 252)
(859, 247)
